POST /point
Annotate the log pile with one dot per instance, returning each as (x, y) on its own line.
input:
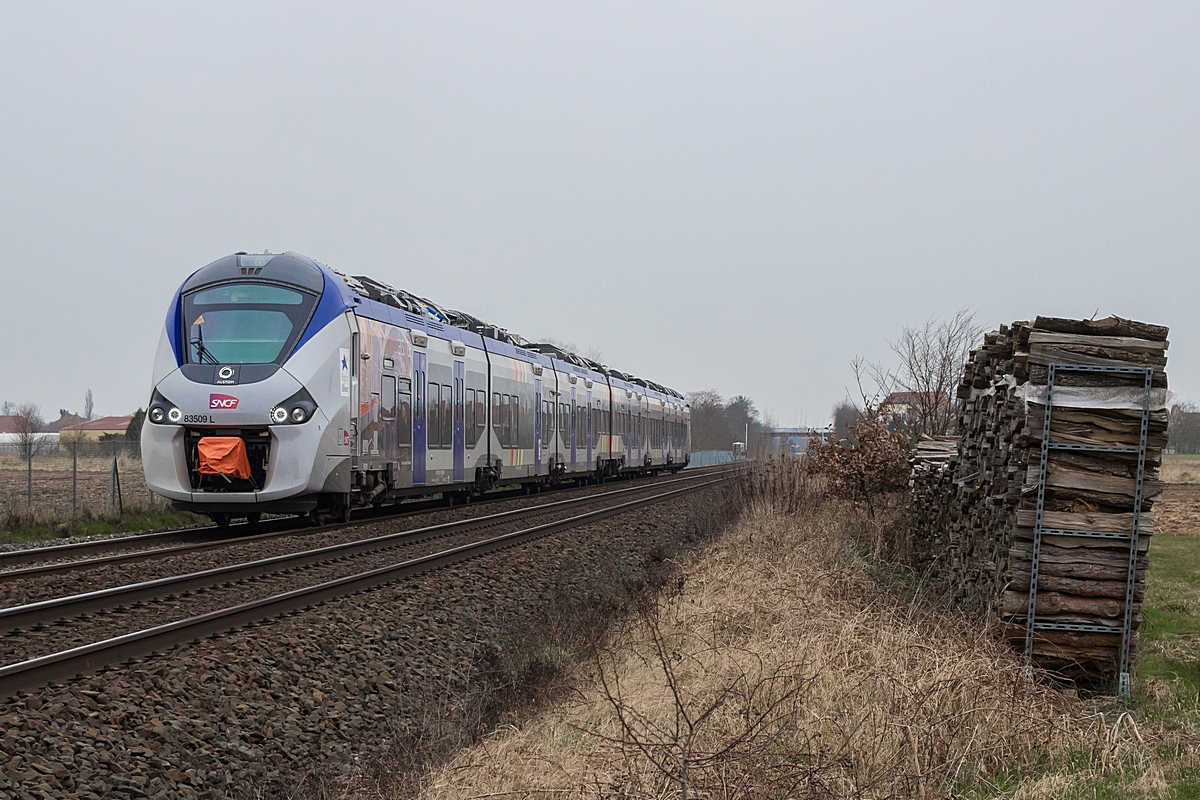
(975, 510)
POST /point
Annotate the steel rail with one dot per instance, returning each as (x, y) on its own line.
(47, 612)
(90, 658)
(280, 528)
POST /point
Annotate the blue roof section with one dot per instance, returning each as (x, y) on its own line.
(174, 327)
(335, 299)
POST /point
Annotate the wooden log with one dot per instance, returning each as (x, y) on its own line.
(1082, 588)
(1094, 356)
(1119, 342)
(1013, 602)
(1111, 326)
(1064, 476)
(1100, 523)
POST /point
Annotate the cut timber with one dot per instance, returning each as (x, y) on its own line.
(1112, 326)
(1060, 476)
(1048, 603)
(975, 510)
(1100, 523)
(1121, 342)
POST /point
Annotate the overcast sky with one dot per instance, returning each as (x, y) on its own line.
(732, 196)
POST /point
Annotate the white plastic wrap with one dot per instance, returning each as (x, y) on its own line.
(1130, 397)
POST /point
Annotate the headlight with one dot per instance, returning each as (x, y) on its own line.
(161, 409)
(298, 408)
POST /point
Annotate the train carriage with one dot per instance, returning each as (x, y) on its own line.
(283, 386)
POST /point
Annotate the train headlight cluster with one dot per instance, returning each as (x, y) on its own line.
(163, 410)
(296, 410)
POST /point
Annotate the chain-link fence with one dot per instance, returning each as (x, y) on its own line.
(67, 479)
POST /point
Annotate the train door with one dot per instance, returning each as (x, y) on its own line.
(420, 431)
(538, 422)
(459, 436)
(587, 421)
(574, 427)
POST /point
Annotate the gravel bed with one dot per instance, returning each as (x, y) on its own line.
(96, 537)
(316, 704)
(34, 589)
(22, 645)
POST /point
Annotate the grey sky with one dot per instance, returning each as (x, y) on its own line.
(729, 196)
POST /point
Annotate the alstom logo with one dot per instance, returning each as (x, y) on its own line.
(226, 401)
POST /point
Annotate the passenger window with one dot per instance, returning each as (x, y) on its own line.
(435, 415)
(405, 418)
(468, 417)
(515, 406)
(447, 417)
(389, 397)
(480, 414)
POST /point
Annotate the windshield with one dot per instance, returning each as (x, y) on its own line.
(244, 323)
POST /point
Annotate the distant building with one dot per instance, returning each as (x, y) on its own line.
(905, 403)
(65, 421)
(92, 430)
(793, 441)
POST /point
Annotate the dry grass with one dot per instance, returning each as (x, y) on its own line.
(789, 662)
(1180, 469)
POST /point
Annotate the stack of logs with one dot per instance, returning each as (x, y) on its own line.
(975, 510)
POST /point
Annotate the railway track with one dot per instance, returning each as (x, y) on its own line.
(59, 559)
(94, 656)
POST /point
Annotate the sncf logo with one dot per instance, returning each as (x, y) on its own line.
(226, 401)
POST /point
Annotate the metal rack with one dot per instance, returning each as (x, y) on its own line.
(1126, 628)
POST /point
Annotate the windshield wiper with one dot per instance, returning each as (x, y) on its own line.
(202, 352)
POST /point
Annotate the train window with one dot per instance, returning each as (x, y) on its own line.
(480, 414)
(496, 413)
(469, 419)
(433, 403)
(515, 410)
(547, 420)
(244, 323)
(389, 397)
(404, 425)
(447, 417)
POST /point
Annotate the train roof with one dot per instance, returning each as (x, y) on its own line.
(299, 270)
(380, 292)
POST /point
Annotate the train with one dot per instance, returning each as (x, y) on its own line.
(283, 386)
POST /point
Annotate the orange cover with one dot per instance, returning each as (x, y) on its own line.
(223, 455)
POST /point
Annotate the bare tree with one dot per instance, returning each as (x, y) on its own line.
(89, 408)
(931, 364)
(7, 409)
(1183, 428)
(28, 426)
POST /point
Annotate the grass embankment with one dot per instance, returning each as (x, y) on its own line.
(1180, 469)
(19, 524)
(791, 660)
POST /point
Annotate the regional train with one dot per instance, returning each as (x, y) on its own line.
(284, 386)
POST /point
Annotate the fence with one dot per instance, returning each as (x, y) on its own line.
(66, 479)
(710, 458)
